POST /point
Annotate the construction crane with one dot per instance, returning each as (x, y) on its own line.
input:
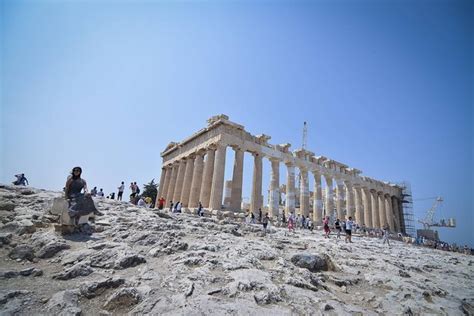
(429, 222)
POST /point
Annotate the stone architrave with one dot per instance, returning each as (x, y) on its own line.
(375, 209)
(218, 178)
(340, 199)
(197, 180)
(206, 185)
(367, 208)
(188, 178)
(274, 188)
(382, 216)
(350, 200)
(329, 196)
(304, 193)
(179, 181)
(290, 189)
(237, 178)
(172, 183)
(256, 197)
(318, 200)
(388, 212)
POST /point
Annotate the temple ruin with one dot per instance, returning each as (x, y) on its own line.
(193, 172)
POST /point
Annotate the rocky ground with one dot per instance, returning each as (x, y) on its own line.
(140, 261)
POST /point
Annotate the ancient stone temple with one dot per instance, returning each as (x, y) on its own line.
(193, 171)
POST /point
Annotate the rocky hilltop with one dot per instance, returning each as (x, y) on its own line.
(142, 261)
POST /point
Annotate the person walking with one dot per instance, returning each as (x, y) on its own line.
(349, 224)
(337, 225)
(291, 223)
(259, 215)
(265, 223)
(327, 231)
(200, 210)
(385, 235)
(171, 206)
(121, 188)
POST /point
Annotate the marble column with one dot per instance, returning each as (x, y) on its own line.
(318, 200)
(218, 178)
(382, 217)
(178, 188)
(395, 210)
(359, 213)
(274, 188)
(375, 209)
(162, 183)
(205, 194)
(388, 212)
(329, 196)
(340, 199)
(304, 193)
(197, 180)
(172, 183)
(350, 200)
(290, 189)
(164, 192)
(367, 207)
(188, 178)
(256, 197)
(237, 176)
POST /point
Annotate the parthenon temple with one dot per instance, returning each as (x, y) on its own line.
(193, 171)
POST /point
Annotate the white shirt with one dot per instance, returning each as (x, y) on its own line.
(100, 193)
(121, 188)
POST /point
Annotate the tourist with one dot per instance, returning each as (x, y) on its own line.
(303, 222)
(259, 215)
(76, 193)
(265, 223)
(148, 201)
(178, 206)
(310, 224)
(94, 191)
(200, 210)
(385, 235)
(21, 179)
(252, 218)
(134, 191)
(171, 206)
(100, 193)
(337, 225)
(141, 201)
(327, 231)
(121, 188)
(283, 219)
(112, 196)
(349, 224)
(161, 203)
(137, 188)
(291, 223)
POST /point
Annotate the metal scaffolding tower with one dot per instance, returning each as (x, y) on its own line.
(407, 205)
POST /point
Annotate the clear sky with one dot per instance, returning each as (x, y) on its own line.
(385, 86)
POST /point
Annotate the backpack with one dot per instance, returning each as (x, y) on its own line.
(138, 190)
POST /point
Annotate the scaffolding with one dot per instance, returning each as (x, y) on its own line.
(407, 206)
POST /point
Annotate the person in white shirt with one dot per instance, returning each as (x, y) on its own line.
(349, 224)
(121, 188)
(100, 193)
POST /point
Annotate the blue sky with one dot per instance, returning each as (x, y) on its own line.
(385, 86)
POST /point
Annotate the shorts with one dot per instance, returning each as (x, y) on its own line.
(348, 232)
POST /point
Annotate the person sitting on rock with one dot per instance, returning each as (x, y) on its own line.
(94, 191)
(141, 202)
(79, 203)
(20, 179)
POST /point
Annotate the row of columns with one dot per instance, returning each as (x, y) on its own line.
(193, 180)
